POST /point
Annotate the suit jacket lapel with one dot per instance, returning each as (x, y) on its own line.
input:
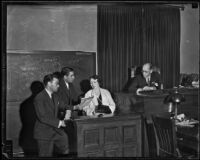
(65, 87)
(144, 80)
(56, 103)
(50, 101)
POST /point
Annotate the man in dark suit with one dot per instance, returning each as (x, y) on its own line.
(66, 91)
(48, 131)
(148, 80)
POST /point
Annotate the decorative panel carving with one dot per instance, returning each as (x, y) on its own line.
(130, 134)
(111, 135)
(117, 136)
(91, 138)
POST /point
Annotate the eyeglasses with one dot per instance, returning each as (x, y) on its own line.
(145, 71)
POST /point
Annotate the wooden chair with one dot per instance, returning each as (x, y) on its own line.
(166, 141)
(149, 145)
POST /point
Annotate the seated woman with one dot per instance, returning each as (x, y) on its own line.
(102, 101)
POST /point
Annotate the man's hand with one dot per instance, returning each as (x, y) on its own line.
(61, 124)
(67, 115)
(77, 107)
(147, 88)
(138, 91)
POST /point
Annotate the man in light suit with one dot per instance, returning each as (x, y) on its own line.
(48, 131)
(148, 80)
(66, 91)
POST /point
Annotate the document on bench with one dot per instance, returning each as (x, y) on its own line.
(85, 101)
(96, 115)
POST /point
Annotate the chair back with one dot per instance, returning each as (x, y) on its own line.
(166, 142)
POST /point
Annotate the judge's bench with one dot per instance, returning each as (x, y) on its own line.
(124, 134)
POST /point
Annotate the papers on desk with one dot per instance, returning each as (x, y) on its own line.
(153, 93)
(187, 123)
(182, 120)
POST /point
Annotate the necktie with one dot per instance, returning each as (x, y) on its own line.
(69, 97)
(52, 98)
(148, 81)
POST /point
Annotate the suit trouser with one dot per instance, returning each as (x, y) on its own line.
(46, 147)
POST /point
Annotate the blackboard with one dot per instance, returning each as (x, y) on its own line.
(23, 68)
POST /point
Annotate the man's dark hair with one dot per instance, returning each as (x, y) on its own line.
(98, 79)
(58, 74)
(66, 70)
(49, 78)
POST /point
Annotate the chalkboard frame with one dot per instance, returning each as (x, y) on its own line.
(57, 53)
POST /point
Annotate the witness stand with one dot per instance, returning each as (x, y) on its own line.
(110, 136)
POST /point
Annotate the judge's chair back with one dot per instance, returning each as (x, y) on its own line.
(166, 142)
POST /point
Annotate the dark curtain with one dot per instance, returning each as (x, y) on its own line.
(161, 42)
(133, 35)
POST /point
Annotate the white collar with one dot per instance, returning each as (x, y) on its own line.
(49, 93)
(67, 84)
